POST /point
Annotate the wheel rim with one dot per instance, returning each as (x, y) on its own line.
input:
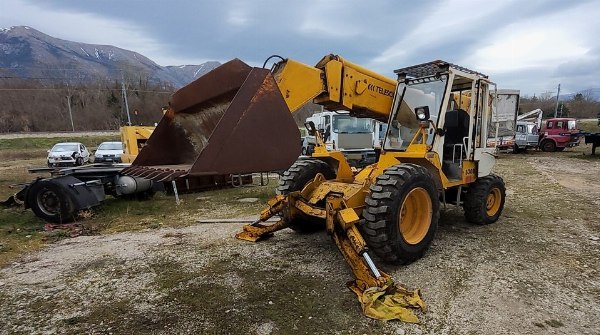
(415, 215)
(492, 203)
(48, 202)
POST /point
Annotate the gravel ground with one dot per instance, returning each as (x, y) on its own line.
(535, 271)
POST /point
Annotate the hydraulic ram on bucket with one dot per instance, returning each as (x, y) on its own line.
(232, 120)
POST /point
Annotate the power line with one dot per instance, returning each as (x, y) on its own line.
(89, 89)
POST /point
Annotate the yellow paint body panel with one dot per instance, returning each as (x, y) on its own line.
(134, 138)
(336, 84)
(298, 83)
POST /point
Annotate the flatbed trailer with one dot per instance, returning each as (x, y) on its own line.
(60, 196)
(63, 192)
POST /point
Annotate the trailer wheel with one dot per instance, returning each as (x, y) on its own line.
(484, 200)
(294, 179)
(548, 146)
(401, 214)
(50, 202)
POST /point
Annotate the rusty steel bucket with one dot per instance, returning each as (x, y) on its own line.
(232, 120)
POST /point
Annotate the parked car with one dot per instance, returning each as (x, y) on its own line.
(109, 152)
(69, 153)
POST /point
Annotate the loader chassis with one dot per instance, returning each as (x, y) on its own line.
(434, 152)
(392, 207)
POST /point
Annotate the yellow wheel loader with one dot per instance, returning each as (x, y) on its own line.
(236, 119)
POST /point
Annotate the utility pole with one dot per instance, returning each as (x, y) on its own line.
(69, 106)
(557, 96)
(124, 94)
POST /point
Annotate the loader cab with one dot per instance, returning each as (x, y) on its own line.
(459, 105)
(404, 124)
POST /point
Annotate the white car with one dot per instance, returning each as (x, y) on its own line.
(69, 153)
(109, 152)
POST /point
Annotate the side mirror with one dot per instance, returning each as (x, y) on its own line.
(422, 113)
(310, 128)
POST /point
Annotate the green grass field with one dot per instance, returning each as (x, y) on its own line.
(589, 126)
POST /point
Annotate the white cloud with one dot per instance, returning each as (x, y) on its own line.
(528, 53)
(326, 19)
(523, 44)
(449, 21)
(543, 42)
(238, 17)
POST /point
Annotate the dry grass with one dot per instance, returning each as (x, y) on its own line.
(21, 231)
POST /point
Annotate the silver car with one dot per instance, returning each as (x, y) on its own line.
(68, 153)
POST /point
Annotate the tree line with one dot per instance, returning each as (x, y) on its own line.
(34, 105)
(582, 105)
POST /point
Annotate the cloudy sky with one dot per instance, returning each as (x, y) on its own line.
(532, 45)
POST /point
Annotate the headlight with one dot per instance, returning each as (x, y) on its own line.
(422, 113)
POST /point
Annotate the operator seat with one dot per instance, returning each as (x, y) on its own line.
(456, 127)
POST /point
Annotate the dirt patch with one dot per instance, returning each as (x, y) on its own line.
(574, 174)
(533, 272)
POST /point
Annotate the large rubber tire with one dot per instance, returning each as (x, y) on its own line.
(79, 161)
(548, 146)
(484, 200)
(50, 202)
(294, 179)
(401, 214)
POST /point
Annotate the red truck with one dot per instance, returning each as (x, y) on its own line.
(559, 133)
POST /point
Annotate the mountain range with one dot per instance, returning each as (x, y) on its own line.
(592, 93)
(30, 54)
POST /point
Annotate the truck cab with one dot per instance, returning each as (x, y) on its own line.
(527, 136)
(353, 136)
(558, 133)
(380, 128)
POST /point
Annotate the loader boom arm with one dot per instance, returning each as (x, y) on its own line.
(336, 84)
